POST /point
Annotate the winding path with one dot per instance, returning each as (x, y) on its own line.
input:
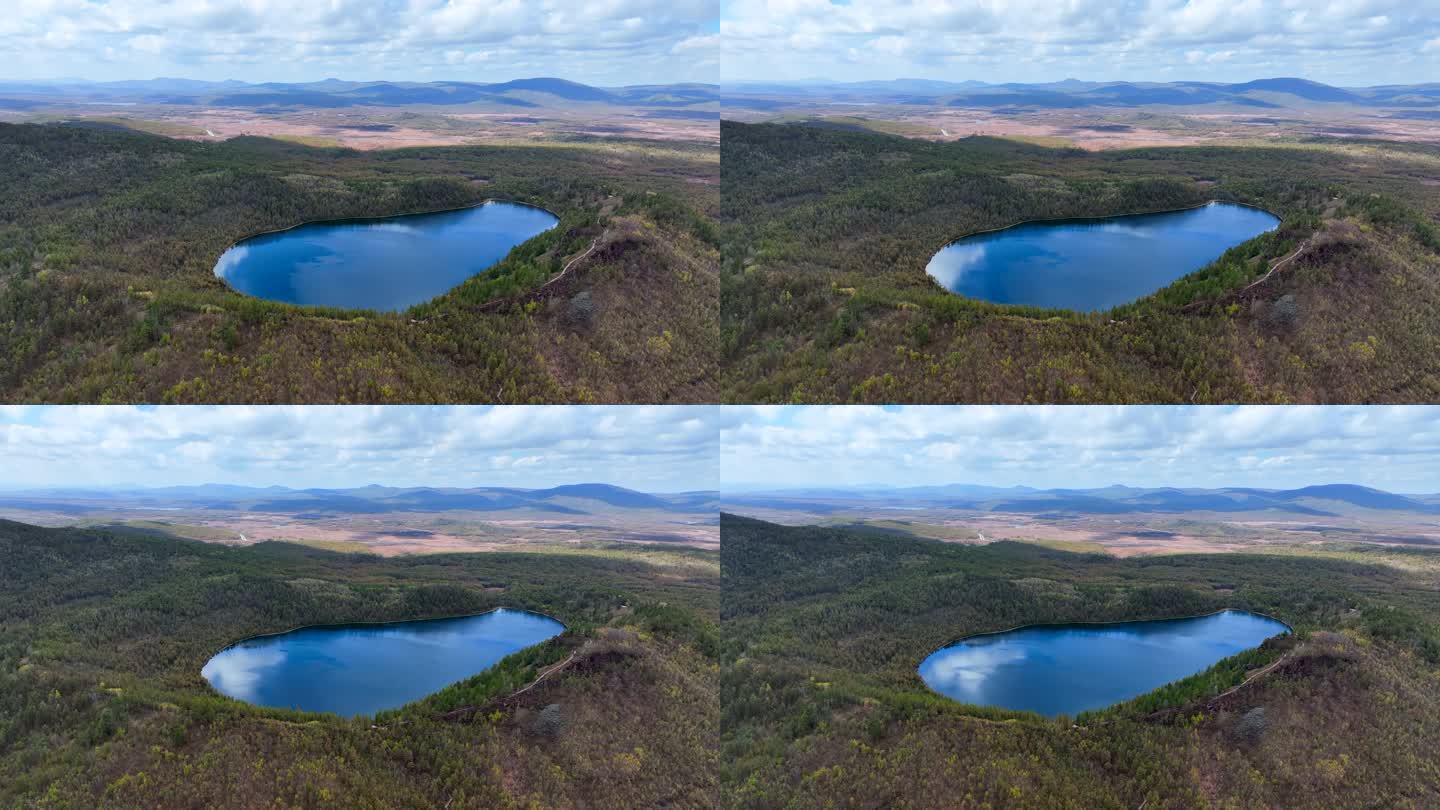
(1211, 701)
(594, 244)
(1277, 265)
(496, 303)
(465, 712)
(542, 676)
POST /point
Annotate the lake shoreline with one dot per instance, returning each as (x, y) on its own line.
(1035, 625)
(1094, 264)
(214, 690)
(379, 218)
(338, 625)
(1058, 220)
(966, 672)
(239, 265)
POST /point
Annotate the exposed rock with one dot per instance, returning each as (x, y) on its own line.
(549, 722)
(1252, 726)
(1284, 313)
(581, 310)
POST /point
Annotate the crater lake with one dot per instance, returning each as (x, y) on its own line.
(388, 264)
(360, 669)
(1093, 264)
(1070, 668)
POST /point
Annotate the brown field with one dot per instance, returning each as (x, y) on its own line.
(1102, 128)
(1127, 535)
(368, 128)
(393, 534)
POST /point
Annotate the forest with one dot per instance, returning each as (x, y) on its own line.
(108, 240)
(102, 702)
(822, 629)
(826, 233)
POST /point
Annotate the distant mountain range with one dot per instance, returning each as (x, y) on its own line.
(574, 499)
(1279, 93)
(333, 93)
(1325, 500)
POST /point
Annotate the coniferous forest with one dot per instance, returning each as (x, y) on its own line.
(753, 404)
(102, 702)
(109, 237)
(822, 629)
(827, 232)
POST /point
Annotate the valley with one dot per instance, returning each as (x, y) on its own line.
(1121, 521)
(388, 521)
(374, 115)
(1097, 115)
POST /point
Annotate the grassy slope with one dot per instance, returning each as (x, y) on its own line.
(825, 298)
(102, 703)
(108, 240)
(822, 630)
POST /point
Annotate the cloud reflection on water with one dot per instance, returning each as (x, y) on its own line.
(237, 671)
(950, 264)
(966, 673)
(231, 259)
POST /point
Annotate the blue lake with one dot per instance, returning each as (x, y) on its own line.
(1067, 669)
(1093, 264)
(387, 264)
(361, 669)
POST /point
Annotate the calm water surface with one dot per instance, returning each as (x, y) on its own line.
(361, 669)
(1067, 669)
(384, 264)
(1093, 264)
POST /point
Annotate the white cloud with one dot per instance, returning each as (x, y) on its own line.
(705, 43)
(1387, 447)
(609, 42)
(661, 448)
(1354, 42)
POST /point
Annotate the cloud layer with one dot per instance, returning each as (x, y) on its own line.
(657, 449)
(1393, 448)
(1352, 42)
(608, 42)
(1347, 42)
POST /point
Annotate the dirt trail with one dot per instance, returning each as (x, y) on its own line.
(594, 244)
(466, 712)
(1277, 265)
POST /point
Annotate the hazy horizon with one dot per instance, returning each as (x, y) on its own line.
(108, 488)
(821, 81)
(743, 488)
(64, 80)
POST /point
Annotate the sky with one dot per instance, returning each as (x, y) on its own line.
(652, 449)
(1342, 42)
(1390, 448)
(598, 42)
